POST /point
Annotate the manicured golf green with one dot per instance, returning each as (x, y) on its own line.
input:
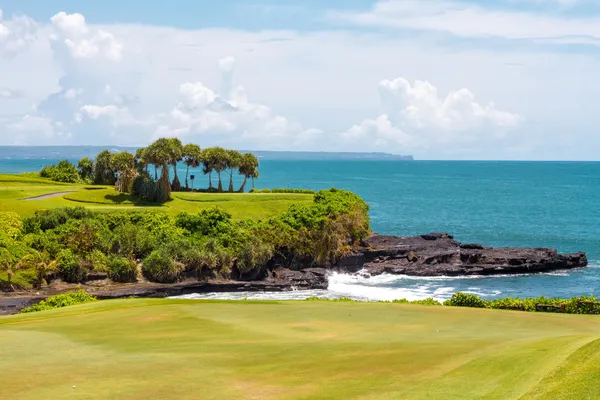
(181, 349)
(15, 188)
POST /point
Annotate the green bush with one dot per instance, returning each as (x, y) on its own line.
(159, 267)
(61, 300)
(70, 268)
(10, 224)
(466, 300)
(64, 171)
(148, 190)
(210, 222)
(121, 269)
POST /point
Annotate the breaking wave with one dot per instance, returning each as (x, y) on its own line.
(387, 287)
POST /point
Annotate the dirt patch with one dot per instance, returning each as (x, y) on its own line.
(49, 195)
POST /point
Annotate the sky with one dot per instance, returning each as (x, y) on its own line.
(438, 79)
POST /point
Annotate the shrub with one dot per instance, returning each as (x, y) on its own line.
(45, 220)
(61, 300)
(10, 224)
(466, 300)
(159, 267)
(70, 268)
(427, 302)
(210, 222)
(64, 171)
(148, 190)
(121, 269)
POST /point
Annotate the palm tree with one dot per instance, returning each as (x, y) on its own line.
(214, 159)
(103, 173)
(124, 164)
(219, 162)
(140, 162)
(175, 150)
(234, 160)
(192, 154)
(7, 265)
(161, 154)
(42, 264)
(86, 168)
(248, 168)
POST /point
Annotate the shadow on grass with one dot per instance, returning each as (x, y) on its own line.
(124, 198)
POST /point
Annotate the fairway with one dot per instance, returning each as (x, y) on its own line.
(182, 349)
(15, 188)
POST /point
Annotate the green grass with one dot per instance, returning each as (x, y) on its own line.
(15, 188)
(177, 349)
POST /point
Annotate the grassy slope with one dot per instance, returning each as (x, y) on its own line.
(14, 188)
(163, 349)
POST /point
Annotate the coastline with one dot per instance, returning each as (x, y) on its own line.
(429, 255)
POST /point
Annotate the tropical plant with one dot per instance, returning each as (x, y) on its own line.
(41, 263)
(10, 223)
(248, 167)
(234, 161)
(121, 269)
(103, 173)
(7, 265)
(175, 154)
(86, 168)
(159, 267)
(140, 162)
(64, 171)
(192, 156)
(123, 163)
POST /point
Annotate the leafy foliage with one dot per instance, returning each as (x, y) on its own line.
(10, 224)
(69, 267)
(466, 300)
(283, 190)
(121, 269)
(64, 171)
(159, 267)
(61, 300)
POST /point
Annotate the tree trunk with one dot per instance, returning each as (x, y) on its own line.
(243, 187)
(230, 189)
(220, 189)
(176, 185)
(210, 181)
(252, 182)
(155, 173)
(187, 171)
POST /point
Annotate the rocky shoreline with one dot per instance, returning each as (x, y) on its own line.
(434, 254)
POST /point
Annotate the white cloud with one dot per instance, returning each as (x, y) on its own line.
(474, 20)
(167, 83)
(417, 116)
(83, 41)
(16, 34)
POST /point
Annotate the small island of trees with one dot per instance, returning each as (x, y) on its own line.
(146, 173)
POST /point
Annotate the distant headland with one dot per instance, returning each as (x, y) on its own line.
(76, 152)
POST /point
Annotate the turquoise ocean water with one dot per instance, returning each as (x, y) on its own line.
(534, 204)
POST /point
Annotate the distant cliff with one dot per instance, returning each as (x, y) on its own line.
(76, 152)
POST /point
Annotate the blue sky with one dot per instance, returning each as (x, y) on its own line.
(447, 79)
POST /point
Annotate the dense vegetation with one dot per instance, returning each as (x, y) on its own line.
(130, 173)
(71, 243)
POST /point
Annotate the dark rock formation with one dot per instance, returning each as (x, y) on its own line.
(438, 254)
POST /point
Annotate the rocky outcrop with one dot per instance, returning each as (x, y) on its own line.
(433, 254)
(437, 254)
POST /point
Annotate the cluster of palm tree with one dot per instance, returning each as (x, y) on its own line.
(165, 153)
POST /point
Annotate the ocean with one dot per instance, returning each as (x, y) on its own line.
(532, 204)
